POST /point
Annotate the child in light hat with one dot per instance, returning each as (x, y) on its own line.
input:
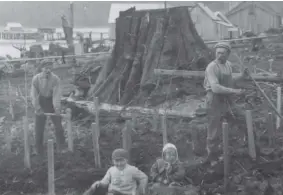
(168, 170)
(122, 178)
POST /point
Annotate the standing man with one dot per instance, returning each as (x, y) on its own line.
(218, 84)
(46, 98)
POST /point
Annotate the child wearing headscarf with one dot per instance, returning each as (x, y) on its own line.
(122, 178)
(168, 170)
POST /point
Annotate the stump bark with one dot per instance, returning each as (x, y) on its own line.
(145, 40)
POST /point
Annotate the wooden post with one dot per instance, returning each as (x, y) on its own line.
(127, 138)
(96, 105)
(95, 140)
(134, 120)
(270, 129)
(26, 143)
(278, 120)
(8, 138)
(251, 141)
(155, 122)
(270, 64)
(50, 157)
(69, 130)
(164, 130)
(11, 110)
(226, 153)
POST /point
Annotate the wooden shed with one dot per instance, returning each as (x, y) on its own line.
(209, 26)
(255, 16)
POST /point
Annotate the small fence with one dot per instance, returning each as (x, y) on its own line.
(127, 138)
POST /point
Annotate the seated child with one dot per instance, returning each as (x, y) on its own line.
(122, 178)
(168, 170)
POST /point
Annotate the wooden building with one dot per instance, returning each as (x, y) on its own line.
(255, 16)
(209, 25)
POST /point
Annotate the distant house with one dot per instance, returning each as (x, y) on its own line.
(116, 8)
(208, 24)
(254, 16)
(13, 26)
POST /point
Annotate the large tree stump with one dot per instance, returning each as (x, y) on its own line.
(146, 40)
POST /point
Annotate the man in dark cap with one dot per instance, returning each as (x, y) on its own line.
(219, 84)
(46, 98)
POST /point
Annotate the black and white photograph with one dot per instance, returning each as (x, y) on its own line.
(141, 97)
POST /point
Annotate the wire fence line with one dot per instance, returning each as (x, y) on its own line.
(55, 57)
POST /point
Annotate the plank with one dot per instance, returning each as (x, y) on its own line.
(200, 75)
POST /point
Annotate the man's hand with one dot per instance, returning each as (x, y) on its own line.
(95, 185)
(38, 111)
(239, 91)
(57, 111)
(245, 73)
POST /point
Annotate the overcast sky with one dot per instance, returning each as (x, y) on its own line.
(47, 14)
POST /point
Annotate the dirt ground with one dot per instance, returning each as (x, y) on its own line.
(75, 172)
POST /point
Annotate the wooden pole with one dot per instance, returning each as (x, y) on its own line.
(26, 143)
(51, 177)
(71, 14)
(10, 102)
(127, 138)
(251, 141)
(270, 129)
(69, 130)
(97, 109)
(278, 119)
(96, 149)
(201, 75)
(226, 153)
(155, 122)
(8, 138)
(164, 130)
(134, 120)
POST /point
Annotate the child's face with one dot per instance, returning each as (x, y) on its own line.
(170, 155)
(120, 163)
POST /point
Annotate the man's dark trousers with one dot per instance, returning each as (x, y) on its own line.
(46, 105)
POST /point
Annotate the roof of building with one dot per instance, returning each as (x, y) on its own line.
(14, 24)
(117, 7)
(217, 17)
(207, 11)
(223, 17)
(246, 4)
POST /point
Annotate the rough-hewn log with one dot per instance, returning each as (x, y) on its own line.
(127, 112)
(200, 75)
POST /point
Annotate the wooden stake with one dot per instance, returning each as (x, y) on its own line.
(226, 153)
(134, 120)
(8, 138)
(95, 140)
(69, 130)
(96, 106)
(51, 177)
(126, 133)
(164, 130)
(26, 143)
(155, 122)
(251, 141)
(11, 110)
(278, 119)
(127, 138)
(270, 130)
